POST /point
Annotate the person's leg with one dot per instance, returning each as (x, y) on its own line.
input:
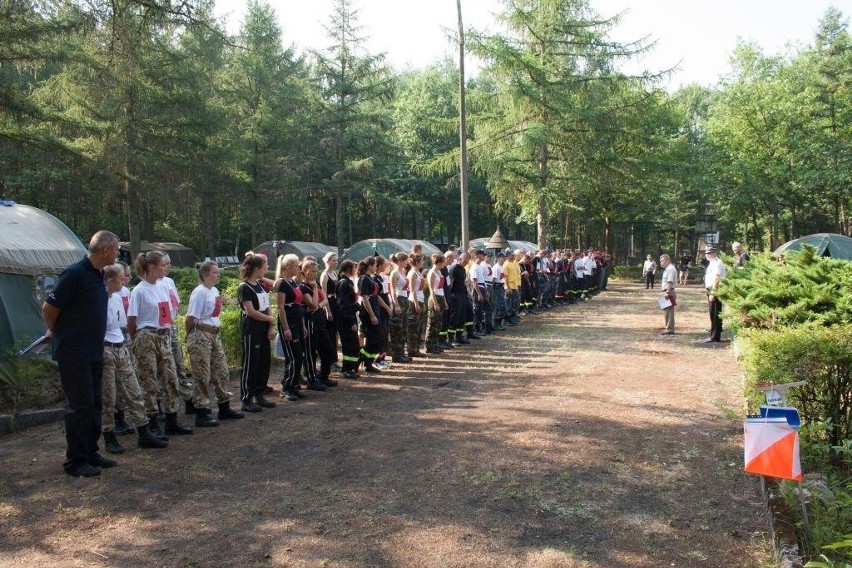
(78, 386)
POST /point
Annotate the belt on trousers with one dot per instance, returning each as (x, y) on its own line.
(207, 328)
(111, 344)
(158, 331)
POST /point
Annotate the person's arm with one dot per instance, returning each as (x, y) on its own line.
(412, 294)
(188, 323)
(394, 296)
(255, 314)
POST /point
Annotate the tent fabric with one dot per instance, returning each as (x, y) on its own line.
(35, 242)
(179, 254)
(387, 247)
(827, 244)
(35, 247)
(513, 245)
(274, 249)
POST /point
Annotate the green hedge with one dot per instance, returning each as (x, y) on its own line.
(627, 273)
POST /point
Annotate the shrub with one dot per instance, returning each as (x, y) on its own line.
(820, 356)
(627, 273)
(231, 335)
(800, 290)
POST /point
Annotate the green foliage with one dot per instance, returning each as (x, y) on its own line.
(34, 381)
(628, 273)
(800, 290)
(231, 335)
(822, 357)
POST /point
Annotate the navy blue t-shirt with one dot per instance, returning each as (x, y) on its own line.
(81, 297)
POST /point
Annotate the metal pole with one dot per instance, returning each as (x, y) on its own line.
(465, 228)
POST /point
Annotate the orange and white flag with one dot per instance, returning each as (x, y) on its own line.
(772, 448)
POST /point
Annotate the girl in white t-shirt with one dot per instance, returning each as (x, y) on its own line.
(149, 324)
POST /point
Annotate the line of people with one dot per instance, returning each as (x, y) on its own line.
(378, 310)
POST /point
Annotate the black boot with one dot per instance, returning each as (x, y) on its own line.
(121, 426)
(111, 443)
(175, 427)
(227, 413)
(263, 403)
(154, 428)
(316, 385)
(203, 418)
(148, 440)
(190, 408)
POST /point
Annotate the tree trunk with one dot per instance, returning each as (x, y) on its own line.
(465, 220)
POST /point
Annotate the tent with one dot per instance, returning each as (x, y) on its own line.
(827, 244)
(387, 247)
(179, 255)
(274, 249)
(513, 245)
(35, 247)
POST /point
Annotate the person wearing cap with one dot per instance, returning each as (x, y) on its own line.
(713, 276)
(667, 283)
(649, 269)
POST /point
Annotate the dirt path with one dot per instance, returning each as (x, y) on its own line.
(579, 438)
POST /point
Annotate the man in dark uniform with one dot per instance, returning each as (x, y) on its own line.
(76, 313)
(459, 299)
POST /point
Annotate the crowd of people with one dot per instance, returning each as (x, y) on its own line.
(126, 374)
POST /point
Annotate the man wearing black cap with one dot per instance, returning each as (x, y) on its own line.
(712, 277)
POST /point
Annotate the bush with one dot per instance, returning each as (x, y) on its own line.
(628, 273)
(800, 290)
(231, 335)
(820, 356)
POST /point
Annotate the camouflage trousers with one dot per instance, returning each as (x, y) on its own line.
(156, 369)
(209, 367)
(414, 321)
(398, 328)
(120, 378)
(184, 383)
(435, 322)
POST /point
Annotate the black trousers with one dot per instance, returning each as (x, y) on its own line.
(349, 345)
(257, 360)
(372, 337)
(649, 280)
(321, 343)
(81, 381)
(294, 353)
(715, 318)
(331, 327)
(458, 311)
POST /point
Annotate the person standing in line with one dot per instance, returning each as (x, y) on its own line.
(667, 283)
(713, 276)
(328, 282)
(416, 308)
(75, 314)
(397, 325)
(290, 323)
(458, 293)
(257, 329)
(499, 290)
(649, 270)
(446, 341)
(119, 378)
(369, 291)
(184, 378)
(206, 352)
(149, 323)
(683, 269)
(347, 324)
(436, 304)
(382, 278)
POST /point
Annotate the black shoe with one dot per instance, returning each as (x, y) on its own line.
(175, 427)
(204, 420)
(98, 460)
(336, 368)
(416, 354)
(154, 428)
(445, 346)
(250, 406)
(328, 382)
(371, 369)
(85, 470)
(148, 440)
(463, 341)
(290, 395)
(122, 428)
(402, 359)
(268, 390)
(111, 443)
(263, 403)
(316, 386)
(712, 340)
(434, 351)
(189, 407)
(499, 328)
(352, 375)
(228, 413)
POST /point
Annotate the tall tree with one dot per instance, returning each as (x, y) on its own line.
(353, 86)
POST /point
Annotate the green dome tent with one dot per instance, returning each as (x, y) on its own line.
(387, 247)
(274, 249)
(827, 244)
(35, 247)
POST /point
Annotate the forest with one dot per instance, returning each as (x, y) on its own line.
(146, 117)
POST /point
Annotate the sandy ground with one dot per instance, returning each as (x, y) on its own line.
(579, 438)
